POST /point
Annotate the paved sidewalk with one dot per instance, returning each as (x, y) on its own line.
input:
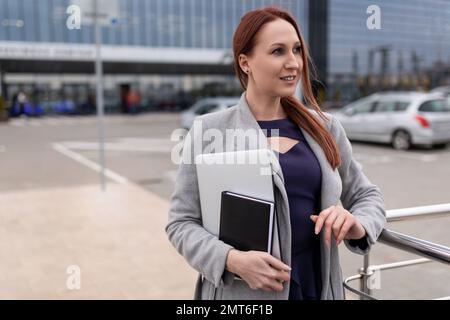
(117, 239)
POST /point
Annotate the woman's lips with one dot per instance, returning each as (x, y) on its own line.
(293, 81)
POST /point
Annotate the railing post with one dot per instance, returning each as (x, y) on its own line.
(365, 273)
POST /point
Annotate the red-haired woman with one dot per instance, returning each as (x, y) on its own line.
(322, 195)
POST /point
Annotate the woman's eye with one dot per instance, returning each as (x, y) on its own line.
(281, 51)
(278, 50)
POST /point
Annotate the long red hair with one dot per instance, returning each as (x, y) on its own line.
(243, 43)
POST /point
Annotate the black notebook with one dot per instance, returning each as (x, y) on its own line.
(246, 223)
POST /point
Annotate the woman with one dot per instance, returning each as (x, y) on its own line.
(318, 171)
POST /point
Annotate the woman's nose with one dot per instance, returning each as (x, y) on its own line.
(292, 63)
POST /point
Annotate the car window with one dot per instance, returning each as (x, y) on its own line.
(365, 107)
(435, 106)
(391, 106)
(401, 106)
(385, 106)
(205, 108)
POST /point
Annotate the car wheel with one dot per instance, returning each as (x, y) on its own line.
(401, 140)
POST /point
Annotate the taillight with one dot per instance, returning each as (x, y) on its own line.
(422, 120)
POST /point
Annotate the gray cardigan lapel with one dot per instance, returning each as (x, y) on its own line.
(330, 183)
(246, 120)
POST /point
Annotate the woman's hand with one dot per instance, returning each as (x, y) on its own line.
(258, 269)
(342, 223)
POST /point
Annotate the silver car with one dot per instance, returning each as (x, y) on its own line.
(445, 90)
(204, 106)
(400, 118)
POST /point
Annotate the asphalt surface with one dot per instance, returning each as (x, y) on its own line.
(61, 152)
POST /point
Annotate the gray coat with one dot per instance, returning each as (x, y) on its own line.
(207, 254)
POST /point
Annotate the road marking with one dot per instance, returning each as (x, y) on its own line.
(392, 156)
(372, 159)
(60, 121)
(17, 123)
(88, 163)
(417, 156)
(52, 122)
(35, 123)
(69, 121)
(127, 144)
(87, 121)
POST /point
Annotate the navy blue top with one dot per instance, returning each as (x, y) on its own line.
(303, 180)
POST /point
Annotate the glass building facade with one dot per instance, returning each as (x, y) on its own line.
(411, 50)
(203, 28)
(150, 23)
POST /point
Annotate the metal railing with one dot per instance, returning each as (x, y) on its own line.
(428, 250)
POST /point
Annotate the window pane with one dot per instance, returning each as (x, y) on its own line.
(435, 106)
(364, 108)
(385, 106)
(402, 106)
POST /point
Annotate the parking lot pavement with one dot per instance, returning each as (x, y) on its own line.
(46, 189)
(116, 240)
(406, 179)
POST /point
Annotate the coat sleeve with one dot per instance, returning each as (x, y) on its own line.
(359, 196)
(201, 249)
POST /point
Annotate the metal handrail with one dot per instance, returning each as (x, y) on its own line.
(431, 251)
(417, 246)
(417, 212)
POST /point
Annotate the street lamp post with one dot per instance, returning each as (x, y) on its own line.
(99, 87)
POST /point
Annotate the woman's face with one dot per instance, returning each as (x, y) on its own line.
(275, 56)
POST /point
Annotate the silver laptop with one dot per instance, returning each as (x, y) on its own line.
(246, 172)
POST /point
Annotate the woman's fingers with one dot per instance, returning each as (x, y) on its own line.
(344, 230)
(321, 219)
(337, 220)
(276, 280)
(277, 264)
(272, 275)
(329, 224)
(282, 276)
(337, 225)
(273, 286)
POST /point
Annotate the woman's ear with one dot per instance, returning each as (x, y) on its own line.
(243, 63)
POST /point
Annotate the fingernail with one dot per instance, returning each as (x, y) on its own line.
(316, 231)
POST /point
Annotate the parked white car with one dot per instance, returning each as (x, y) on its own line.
(204, 106)
(445, 90)
(400, 118)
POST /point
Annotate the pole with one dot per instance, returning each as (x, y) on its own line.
(99, 87)
(2, 84)
(366, 274)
